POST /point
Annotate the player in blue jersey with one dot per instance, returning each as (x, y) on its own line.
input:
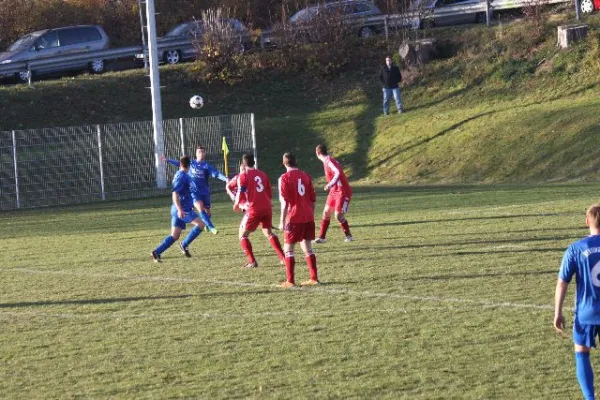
(200, 171)
(582, 260)
(182, 212)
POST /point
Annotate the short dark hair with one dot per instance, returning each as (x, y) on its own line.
(290, 159)
(200, 147)
(184, 161)
(322, 149)
(248, 160)
(593, 213)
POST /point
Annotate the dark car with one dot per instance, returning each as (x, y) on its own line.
(56, 42)
(194, 30)
(356, 13)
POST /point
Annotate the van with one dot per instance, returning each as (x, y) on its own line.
(56, 42)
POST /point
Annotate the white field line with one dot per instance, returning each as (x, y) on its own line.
(317, 289)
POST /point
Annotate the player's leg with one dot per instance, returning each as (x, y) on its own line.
(247, 226)
(177, 225)
(584, 339)
(275, 243)
(326, 219)
(340, 215)
(309, 255)
(290, 262)
(192, 235)
(202, 203)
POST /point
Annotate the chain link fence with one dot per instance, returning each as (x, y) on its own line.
(62, 166)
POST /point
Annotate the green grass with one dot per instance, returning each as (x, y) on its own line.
(446, 293)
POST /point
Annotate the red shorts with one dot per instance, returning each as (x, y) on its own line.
(295, 232)
(251, 221)
(338, 201)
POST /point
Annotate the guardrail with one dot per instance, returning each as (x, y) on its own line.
(84, 57)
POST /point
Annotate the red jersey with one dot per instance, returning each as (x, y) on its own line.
(255, 184)
(233, 188)
(296, 189)
(336, 178)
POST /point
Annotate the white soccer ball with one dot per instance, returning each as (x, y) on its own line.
(196, 102)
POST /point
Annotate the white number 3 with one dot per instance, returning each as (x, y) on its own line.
(259, 184)
(301, 189)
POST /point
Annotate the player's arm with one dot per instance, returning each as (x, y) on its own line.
(336, 175)
(567, 270)
(559, 299)
(241, 189)
(215, 173)
(178, 185)
(172, 162)
(229, 188)
(284, 204)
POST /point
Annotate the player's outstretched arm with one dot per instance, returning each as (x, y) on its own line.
(559, 299)
(166, 160)
(215, 173)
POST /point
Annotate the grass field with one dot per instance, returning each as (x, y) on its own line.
(446, 293)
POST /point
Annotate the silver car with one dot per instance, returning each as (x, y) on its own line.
(194, 31)
(56, 42)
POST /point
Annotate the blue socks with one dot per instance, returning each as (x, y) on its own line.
(165, 244)
(206, 219)
(194, 233)
(585, 374)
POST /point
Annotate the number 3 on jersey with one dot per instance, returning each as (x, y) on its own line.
(259, 184)
(301, 189)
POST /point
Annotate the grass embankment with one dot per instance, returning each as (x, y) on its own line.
(505, 105)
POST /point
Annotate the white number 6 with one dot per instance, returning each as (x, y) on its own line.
(595, 272)
(301, 189)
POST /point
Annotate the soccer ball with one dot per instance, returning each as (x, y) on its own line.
(196, 102)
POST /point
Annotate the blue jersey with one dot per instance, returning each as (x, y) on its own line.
(582, 259)
(200, 171)
(183, 185)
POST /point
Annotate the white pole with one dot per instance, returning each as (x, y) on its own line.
(100, 162)
(14, 140)
(159, 140)
(254, 140)
(181, 134)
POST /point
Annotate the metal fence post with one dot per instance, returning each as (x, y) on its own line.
(578, 9)
(488, 13)
(386, 28)
(100, 161)
(254, 140)
(181, 134)
(14, 141)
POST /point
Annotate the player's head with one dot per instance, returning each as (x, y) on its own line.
(321, 151)
(200, 153)
(592, 216)
(388, 60)
(248, 160)
(184, 163)
(289, 160)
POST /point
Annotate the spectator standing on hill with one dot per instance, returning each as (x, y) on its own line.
(390, 77)
(582, 260)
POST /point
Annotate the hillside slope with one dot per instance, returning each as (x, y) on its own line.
(504, 105)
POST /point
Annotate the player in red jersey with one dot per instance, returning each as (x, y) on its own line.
(339, 196)
(298, 200)
(232, 188)
(255, 185)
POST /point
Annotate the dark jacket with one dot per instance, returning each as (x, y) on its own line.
(390, 77)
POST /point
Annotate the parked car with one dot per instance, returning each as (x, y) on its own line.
(354, 12)
(588, 6)
(194, 30)
(56, 42)
(432, 13)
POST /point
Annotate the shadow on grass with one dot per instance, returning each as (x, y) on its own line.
(115, 300)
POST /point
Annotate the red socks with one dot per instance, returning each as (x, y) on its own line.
(276, 245)
(324, 227)
(247, 247)
(345, 227)
(290, 263)
(311, 260)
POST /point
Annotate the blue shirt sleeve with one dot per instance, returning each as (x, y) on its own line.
(180, 181)
(174, 162)
(215, 173)
(568, 266)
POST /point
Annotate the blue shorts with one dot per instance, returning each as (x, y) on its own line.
(204, 198)
(180, 222)
(585, 335)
